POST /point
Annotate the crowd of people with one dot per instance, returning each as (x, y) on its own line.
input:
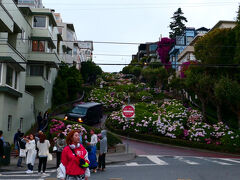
(73, 160)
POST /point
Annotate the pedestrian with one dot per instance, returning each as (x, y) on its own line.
(60, 145)
(1, 137)
(45, 116)
(22, 149)
(92, 158)
(93, 150)
(15, 140)
(31, 153)
(74, 160)
(103, 150)
(2, 154)
(43, 147)
(39, 121)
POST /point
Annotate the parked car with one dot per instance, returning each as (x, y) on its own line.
(87, 113)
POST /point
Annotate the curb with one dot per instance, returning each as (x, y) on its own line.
(170, 145)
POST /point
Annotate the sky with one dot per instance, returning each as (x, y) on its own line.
(134, 21)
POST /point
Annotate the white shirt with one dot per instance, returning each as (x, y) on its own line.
(94, 140)
(43, 148)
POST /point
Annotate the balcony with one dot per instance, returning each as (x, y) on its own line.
(6, 20)
(11, 55)
(50, 59)
(36, 82)
(43, 34)
(10, 91)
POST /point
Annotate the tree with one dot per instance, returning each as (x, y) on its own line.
(177, 26)
(67, 85)
(90, 71)
(228, 91)
(237, 34)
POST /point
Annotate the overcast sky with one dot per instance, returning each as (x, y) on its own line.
(137, 21)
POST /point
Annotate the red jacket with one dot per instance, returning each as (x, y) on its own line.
(71, 162)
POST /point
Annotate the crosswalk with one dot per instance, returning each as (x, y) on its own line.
(158, 160)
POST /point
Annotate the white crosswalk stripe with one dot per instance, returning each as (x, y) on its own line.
(230, 160)
(156, 160)
(185, 160)
(214, 161)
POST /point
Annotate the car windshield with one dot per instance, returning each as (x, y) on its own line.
(79, 110)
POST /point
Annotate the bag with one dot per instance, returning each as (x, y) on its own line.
(22, 153)
(54, 148)
(82, 163)
(49, 157)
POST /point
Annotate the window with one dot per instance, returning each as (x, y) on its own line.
(153, 47)
(47, 98)
(36, 70)
(21, 123)
(16, 80)
(9, 122)
(38, 46)
(9, 76)
(39, 21)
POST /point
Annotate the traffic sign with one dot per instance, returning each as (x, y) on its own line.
(128, 111)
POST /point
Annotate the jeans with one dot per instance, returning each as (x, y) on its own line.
(59, 154)
(42, 161)
(101, 161)
(19, 163)
(30, 167)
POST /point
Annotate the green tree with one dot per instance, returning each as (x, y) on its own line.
(177, 26)
(90, 71)
(155, 77)
(237, 33)
(67, 86)
(136, 71)
(228, 90)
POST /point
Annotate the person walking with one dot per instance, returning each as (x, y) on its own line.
(74, 160)
(39, 121)
(60, 145)
(103, 150)
(22, 149)
(31, 153)
(43, 147)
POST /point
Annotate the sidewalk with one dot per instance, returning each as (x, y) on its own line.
(111, 157)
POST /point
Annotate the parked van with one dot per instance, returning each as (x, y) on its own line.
(87, 113)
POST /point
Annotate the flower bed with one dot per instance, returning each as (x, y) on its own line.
(173, 120)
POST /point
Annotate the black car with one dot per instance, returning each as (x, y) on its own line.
(87, 113)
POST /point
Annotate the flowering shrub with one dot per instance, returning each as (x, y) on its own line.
(173, 120)
(56, 126)
(109, 101)
(144, 96)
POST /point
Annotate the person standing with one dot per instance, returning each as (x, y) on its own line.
(39, 121)
(60, 144)
(22, 149)
(93, 150)
(31, 153)
(43, 147)
(15, 140)
(74, 160)
(103, 150)
(2, 154)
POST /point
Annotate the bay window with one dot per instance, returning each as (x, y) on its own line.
(39, 21)
(38, 46)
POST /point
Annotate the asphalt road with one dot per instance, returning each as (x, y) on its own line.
(152, 167)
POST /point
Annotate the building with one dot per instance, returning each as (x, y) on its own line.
(224, 24)
(30, 3)
(28, 64)
(86, 50)
(147, 50)
(181, 43)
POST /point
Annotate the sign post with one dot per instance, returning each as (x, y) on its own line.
(128, 111)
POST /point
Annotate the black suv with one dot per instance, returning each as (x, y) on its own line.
(87, 113)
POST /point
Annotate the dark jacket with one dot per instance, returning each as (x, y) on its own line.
(21, 143)
(1, 148)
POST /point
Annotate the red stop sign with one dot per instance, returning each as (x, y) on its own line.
(128, 111)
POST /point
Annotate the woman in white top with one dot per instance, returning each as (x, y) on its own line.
(31, 153)
(43, 147)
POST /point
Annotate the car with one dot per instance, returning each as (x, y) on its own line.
(87, 113)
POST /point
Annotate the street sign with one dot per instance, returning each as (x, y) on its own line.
(128, 111)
